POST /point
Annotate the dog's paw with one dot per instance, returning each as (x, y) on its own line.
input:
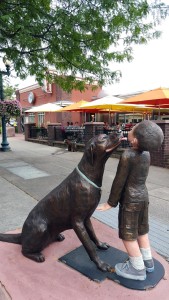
(103, 246)
(38, 257)
(104, 267)
(60, 237)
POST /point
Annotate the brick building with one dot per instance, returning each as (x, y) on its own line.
(36, 95)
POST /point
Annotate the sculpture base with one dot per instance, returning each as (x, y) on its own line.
(79, 260)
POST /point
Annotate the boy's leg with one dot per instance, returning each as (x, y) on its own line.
(130, 219)
(134, 268)
(132, 248)
(143, 241)
(145, 250)
(134, 253)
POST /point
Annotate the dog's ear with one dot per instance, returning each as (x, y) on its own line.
(92, 153)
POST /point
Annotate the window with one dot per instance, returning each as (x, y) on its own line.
(31, 118)
(41, 118)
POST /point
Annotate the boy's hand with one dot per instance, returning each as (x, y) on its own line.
(103, 206)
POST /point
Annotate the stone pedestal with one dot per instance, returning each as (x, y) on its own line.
(10, 131)
(160, 157)
(92, 129)
(59, 132)
(28, 130)
(54, 133)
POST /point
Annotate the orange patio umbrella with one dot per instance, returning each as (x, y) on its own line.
(158, 98)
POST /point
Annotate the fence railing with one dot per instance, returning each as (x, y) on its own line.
(76, 134)
(72, 134)
(38, 133)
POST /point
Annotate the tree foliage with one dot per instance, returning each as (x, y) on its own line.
(75, 37)
(9, 91)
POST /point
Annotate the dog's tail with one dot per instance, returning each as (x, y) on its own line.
(11, 238)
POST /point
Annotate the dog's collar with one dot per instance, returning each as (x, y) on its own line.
(87, 179)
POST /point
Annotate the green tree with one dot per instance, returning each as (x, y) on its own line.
(10, 92)
(75, 37)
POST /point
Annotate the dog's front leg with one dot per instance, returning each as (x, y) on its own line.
(93, 237)
(82, 234)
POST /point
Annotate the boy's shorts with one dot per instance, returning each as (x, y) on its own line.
(133, 220)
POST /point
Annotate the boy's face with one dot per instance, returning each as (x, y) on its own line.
(132, 139)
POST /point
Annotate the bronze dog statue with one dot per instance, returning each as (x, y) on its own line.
(69, 206)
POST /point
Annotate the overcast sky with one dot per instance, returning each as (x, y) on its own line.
(148, 70)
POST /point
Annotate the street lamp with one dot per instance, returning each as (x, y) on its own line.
(5, 145)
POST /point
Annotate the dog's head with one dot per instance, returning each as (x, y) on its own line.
(101, 146)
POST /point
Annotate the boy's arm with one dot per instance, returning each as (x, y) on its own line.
(119, 180)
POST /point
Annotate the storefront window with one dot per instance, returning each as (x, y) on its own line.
(31, 118)
(41, 118)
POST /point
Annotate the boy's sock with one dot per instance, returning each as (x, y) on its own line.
(148, 260)
(137, 262)
(146, 253)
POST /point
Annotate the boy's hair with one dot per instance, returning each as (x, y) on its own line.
(149, 135)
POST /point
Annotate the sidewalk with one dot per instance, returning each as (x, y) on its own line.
(30, 171)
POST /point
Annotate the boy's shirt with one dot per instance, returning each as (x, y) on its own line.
(129, 183)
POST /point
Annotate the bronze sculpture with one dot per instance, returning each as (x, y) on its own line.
(69, 206)
(129, 190)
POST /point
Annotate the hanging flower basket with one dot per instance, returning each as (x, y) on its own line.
(10, 108)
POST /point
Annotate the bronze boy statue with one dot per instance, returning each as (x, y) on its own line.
(129, 190)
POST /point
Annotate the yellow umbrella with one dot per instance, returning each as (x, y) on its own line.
(74, 107)
(111, 105)
(103, 103)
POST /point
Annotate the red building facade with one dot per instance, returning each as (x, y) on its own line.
(36, 95)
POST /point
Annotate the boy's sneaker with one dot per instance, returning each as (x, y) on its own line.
(126, 270)
(149, 264)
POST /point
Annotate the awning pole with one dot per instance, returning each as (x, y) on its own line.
(159, 116)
